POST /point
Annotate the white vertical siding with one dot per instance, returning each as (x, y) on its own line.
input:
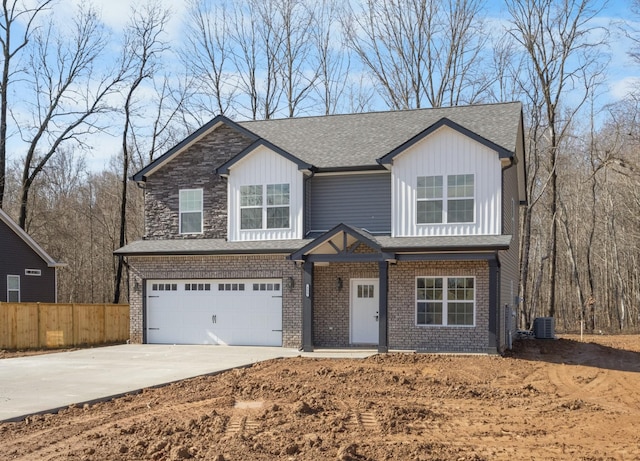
(447, 152)
(264, 166)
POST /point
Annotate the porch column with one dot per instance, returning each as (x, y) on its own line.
(494, 310)
(307, 307)
(383, 342)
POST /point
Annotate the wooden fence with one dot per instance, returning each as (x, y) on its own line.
(41, 325)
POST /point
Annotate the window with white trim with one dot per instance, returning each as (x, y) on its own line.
(445, 301)
(265, 207)
(436, 204)
(191, 211)
(13, 288)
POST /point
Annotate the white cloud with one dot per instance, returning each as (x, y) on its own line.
(621, 88)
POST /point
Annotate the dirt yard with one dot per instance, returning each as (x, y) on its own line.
(548, 400)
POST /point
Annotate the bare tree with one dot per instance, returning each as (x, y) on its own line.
(421, 52)
(562, 51)
(142, 49)
(333, 57)
(206, 56)
(68, 94)
(17, 23)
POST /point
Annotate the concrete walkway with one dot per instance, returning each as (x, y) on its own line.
(46, 383)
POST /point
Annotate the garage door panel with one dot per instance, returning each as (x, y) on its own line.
(233, 312)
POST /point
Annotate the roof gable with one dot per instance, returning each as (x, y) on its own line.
(224, 168)
(388, 158)
(37, 249)
(197, 135)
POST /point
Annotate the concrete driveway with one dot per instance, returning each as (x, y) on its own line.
(46, 383)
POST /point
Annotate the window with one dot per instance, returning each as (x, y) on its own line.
(266, 287)
(164, 287)
(445, 301)
(460, 198)
(231, 287)
(264, 207)
(13, 288)
(436, 204)
(429, 206)
(197, 287)
(191, 211)
(251, 207)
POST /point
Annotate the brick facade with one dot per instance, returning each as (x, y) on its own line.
(192, 169)
(144, 268)
(331, 306)
(403, 331)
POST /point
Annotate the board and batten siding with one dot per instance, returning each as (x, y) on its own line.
(262, 167)
(447, 152)
(359, 200)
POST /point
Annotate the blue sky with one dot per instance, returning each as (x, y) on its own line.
(622, 74)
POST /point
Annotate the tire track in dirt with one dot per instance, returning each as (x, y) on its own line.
(83, 434)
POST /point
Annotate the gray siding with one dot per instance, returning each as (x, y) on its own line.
(510, 263)
(15, 257)
(360, 200)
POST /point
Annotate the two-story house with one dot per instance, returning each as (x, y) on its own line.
(397, 230)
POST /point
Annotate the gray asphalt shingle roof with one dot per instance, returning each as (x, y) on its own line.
(360, 139)
(220, 246)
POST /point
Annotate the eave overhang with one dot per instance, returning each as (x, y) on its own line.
(387, 159)
(223, 169)
(194, 137)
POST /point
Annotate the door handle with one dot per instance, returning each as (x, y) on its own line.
(214, 318)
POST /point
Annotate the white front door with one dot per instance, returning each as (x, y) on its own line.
(364, 311)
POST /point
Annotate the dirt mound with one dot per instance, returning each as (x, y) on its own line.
(551, 399)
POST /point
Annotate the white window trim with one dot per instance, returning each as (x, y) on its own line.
(191, 211)
(445, 200)
(10, 290)
(445, 301)
(264, 207)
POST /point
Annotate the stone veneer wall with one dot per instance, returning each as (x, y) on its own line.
(403, 331)
(219, 267)
(192, 169)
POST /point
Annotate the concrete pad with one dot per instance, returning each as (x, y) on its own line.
(46, 383)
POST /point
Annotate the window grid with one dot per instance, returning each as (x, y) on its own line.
(436, 204)
(265, 207)
(13, 288)
(190, 211)
(445, 301)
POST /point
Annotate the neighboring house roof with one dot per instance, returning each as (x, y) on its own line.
(394, 244)
(4, 217)
(359, 141)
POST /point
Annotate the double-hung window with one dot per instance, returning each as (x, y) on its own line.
(437, 204)
(191, 211)
(13, 288)
(265, 207)
(445, 301)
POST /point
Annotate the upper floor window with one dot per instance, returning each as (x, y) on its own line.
(13, 288)
(436, 204)
(264, 207)
(191, 211)
(445, 301)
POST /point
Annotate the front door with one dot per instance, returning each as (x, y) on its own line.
(364, 311)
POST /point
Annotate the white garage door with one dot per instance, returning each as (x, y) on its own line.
(232, 312)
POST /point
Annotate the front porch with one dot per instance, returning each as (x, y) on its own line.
(359, 293)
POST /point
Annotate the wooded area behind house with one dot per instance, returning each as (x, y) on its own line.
(256, 59)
